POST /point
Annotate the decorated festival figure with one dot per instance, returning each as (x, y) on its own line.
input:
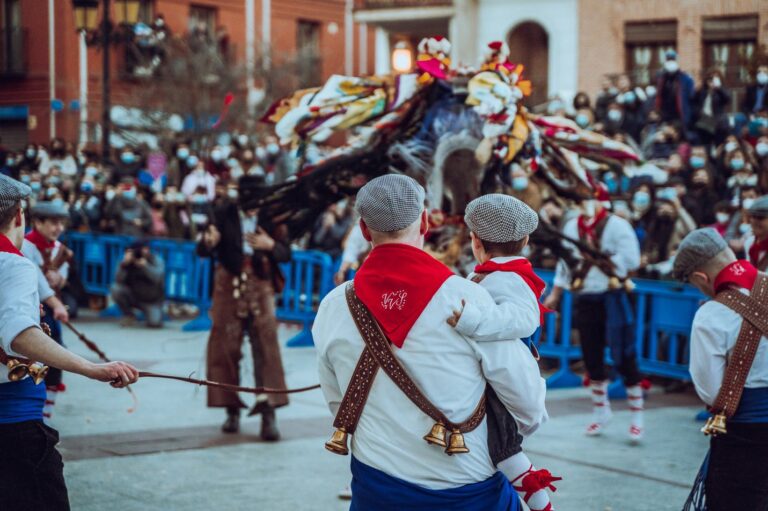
(248, 248)
(729, 368)
(42, 247)
(756, 246)
(31, 468)
(411, 393)
(602, 314)
(500, 226)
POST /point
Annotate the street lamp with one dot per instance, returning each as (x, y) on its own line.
(101, 34)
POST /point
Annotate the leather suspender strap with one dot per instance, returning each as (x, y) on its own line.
(378, 347)
(754, 326)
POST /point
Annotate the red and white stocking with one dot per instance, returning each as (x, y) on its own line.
(601, 408)
(636, 406)
(529, 483)
(50, 400)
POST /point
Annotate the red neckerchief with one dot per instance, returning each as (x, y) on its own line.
(7, 246)
(43, 245)
(587, 227)
(524, 269)
(756, 249)
(396, 282)
(739, 273)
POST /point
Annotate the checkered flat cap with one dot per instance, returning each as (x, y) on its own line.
(696, 249)
(49, 209)
(500, 218)
(760, 207)
(390, 203)
(11, 192)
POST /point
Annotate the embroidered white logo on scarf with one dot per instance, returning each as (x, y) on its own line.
(394, 299)
(737, 269)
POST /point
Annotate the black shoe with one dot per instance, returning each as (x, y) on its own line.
(259, 407)
(232, 424)
(269, 432)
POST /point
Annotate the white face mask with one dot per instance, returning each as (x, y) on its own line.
(762, 78)
(109, 194)
(747, 203)
(614, 115)
(216, 155)
(716, 82)
(232, 193)
(731, 146)
(761, 148)
(671, 66)
(722, 217)
(745, 228)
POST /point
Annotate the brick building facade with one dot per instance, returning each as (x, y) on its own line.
(39, 36)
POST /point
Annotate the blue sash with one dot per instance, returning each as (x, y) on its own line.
(373, 490)
(21, 401)
(753, 408)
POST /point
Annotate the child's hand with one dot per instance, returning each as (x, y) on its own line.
(454, 320)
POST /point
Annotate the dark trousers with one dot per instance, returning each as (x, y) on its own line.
(53, 378)
(589, 318)
(504, 439)
(31, 470)
(737, 477)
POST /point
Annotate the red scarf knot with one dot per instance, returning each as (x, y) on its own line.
(588, 227)
(524, 269)
(739, 273)
(756, 249)
(43, 245)
(396, 283)
(537, 480)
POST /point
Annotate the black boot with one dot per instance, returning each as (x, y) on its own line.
(269, 431)
(232, 424)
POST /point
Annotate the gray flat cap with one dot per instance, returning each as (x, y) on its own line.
(11, 192)
(49, 209)
(696, 250)
(500, 218)
(390, 203)
(760, 207)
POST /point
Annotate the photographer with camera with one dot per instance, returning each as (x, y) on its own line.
(140, 285)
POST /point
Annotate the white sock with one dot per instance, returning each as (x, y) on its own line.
(516, 468)
(601, 407)
(636, 404)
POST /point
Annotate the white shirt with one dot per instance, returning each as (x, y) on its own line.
(32, 253)
(19, 302)
(248, 225)
(451, 370)
(618, 240)
(195, 180)
(355, 246)
(714, 334)
(517, 315)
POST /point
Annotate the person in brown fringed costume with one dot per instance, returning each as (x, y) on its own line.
(248, 249)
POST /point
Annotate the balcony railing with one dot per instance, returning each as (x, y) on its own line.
(393, 4)
(13, 52)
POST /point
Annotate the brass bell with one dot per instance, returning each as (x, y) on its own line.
(457, 445)
(16, 370)
(38, 372)
(577, 284)
(338, 442)
(614, 283)
(629, 286)
(436, 435)
(715, 425)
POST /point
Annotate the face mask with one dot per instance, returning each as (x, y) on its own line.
(737, 164)
(722, 217)
(650, 90)
(671, 66)
(232, 162)
(761, 148)
(232, 193)
(54, 180)
(273, 148)
(31, 153)
(10, 162)
(697, 162)
(127, 157)
(216, 155)
(747, 203)
(667, 193)
(159, 23)
(199, 199)
(614, 115)
(731, 146)
(182, 153)
(50, 192)
(130, 193)
(582, 120)
(35, 185)
(91, 171)
(519, 183)
(26, 179)
(762, 78)
(242, 140)
(629, 97)
(192, 161)
(109, 194)
(716, 82)
(745, 228)
(86, 187)
(261, 153)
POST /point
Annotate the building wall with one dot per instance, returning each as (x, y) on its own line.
(496, 18)
(601, 31)
(33, 89)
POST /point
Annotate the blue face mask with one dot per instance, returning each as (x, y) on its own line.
(667, 193)
(737, 164)
(199, 199)
(641, 200)
(127, 157)
(86, 187)
(611, 183)
(697, 162)
(614, 115)
(629, 97)
(35, 185)
(26, 178)
(9, 162)
(192, 161)
(31, 153)
(182, 153)
(519, 183)
(582, 120)
(129, 194)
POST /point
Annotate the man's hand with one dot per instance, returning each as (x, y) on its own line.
(552, 301)
(118, 374)
(260, 240)
(54, 278)
(128, 257)
(211, 236)
(454, 319)
(60, 313)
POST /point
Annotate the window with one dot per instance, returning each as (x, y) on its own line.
(12, 39)
(147, 11)
(202, 20)
(308, 53)
(645, 44)
(729, 44)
